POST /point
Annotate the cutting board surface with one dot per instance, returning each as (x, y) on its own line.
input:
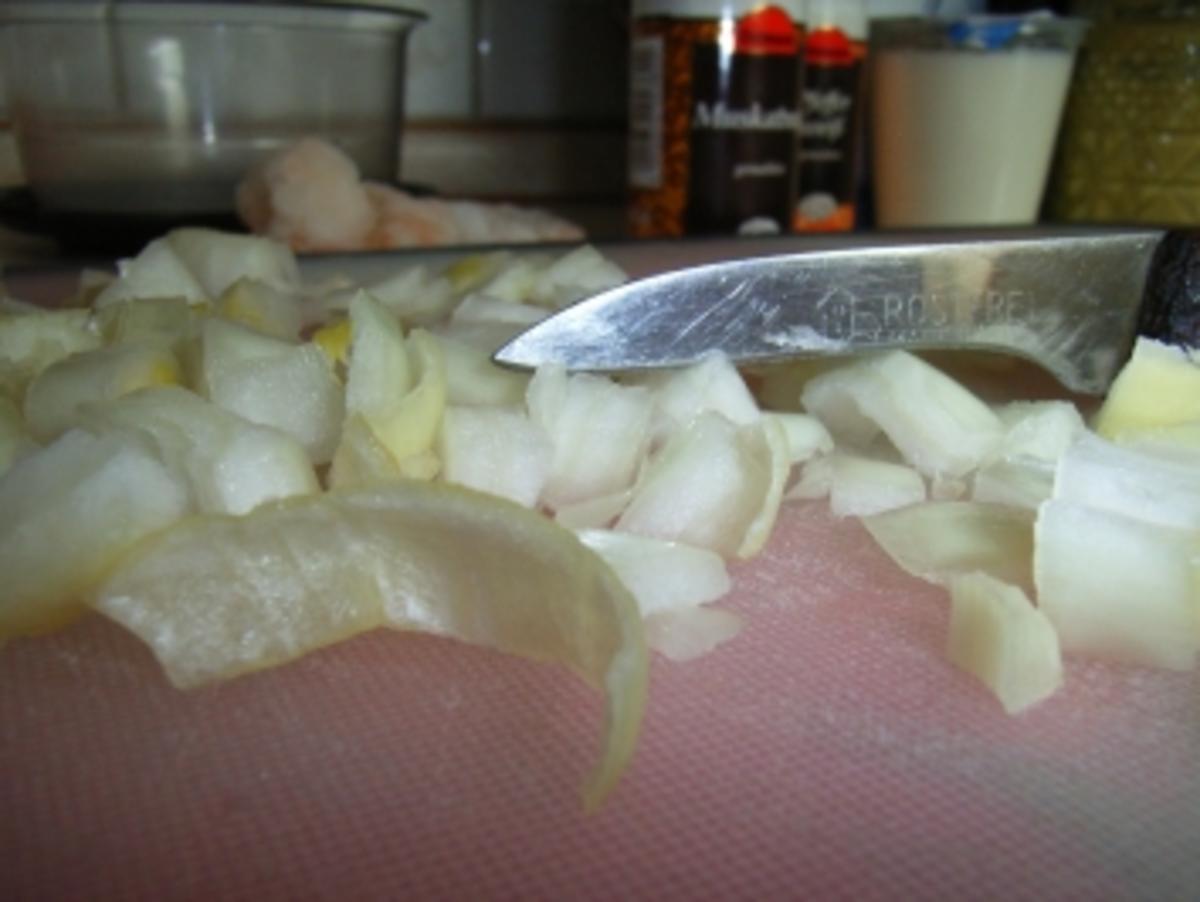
(828, 750)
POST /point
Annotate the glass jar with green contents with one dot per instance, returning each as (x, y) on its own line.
(1130, 146)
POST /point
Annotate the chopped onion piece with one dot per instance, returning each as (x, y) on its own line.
(705, 487)
(53, 398)
(575, 275)
(361, 460)
(397, 386)
(938, 425)
(496, 450)
(713, 384)
(997, 635)
(1022, 482)
(663, 576)
(815, 482)
(1116, 587)
(1043, 430)
(599, 430)
(806, 435)
(14, 438)
(769, 434)
(263, 307)
(231, 464)
(289, 387)
(688, 634)
(949, 488)
(32, 341)
(472, 378)
(156, 272)
(218, 259)
(1100, 474)
(861, 487)
(67, 512)
(475, 308)
(941, 540)
(1159, 386)
(594, 513)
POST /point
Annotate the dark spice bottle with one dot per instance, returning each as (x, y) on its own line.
(714, 117)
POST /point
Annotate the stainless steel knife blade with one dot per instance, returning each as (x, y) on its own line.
(1073, 304)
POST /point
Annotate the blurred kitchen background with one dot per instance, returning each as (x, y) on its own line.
(528, 102)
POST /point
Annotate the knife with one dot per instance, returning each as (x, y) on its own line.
(1073, 303)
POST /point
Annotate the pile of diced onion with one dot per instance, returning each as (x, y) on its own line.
(207, 354)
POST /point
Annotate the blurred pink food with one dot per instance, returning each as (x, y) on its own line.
(310, 196)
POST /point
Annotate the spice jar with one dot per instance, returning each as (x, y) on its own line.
(832, 98)
(1130, 147)
(714, 116)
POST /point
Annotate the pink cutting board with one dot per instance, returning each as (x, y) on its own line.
(827, 751)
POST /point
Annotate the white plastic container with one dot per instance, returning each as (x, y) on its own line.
(156, 109)
(965, 116)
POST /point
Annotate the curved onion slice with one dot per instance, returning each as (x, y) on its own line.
(940, 540)
(218, 596)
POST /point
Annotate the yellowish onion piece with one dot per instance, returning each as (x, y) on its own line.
(397, 386)
(1116, 587)
(361, 460)
(941, 540)
(997, 635)
(1158, 387)
(67, 512)
(219, 596)
(270, 309)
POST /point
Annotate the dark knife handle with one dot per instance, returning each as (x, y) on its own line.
(1170, 311)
